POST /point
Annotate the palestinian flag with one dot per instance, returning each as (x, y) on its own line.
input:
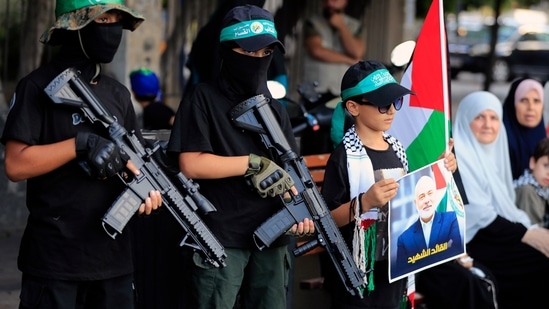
(422, 125)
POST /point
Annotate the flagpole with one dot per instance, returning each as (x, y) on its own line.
(444, 65)
(423, 123)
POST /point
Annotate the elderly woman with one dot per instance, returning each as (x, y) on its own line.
(498, 234)
(523, 120)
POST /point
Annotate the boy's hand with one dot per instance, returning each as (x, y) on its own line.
(98, 156)
(450, 161)
(267, 177)
(379, 194)
(305, 228)
(153, 202)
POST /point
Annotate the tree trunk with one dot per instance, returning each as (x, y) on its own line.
(488, 77)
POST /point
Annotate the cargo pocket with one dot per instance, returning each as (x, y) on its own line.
(287, 268)
(200, 262)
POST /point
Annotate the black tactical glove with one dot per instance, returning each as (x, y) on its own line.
(98, 156)
(267, 177)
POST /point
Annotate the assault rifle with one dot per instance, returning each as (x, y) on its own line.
(67, 88)
(255, 114)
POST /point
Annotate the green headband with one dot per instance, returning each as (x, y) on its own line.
(370, 83)
(65, 6)
(143, 71)
(246, 29)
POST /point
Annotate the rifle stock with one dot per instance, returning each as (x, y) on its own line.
(68, 89)
(256, 115)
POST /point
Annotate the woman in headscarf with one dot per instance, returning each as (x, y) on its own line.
(523, 120)
(498, 234)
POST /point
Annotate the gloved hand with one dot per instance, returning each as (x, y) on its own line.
(98, 156)
(267, 177)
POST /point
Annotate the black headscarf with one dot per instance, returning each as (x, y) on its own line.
(522, 140)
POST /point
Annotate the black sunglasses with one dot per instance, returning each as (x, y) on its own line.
(384, 109)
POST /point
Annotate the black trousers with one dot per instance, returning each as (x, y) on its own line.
(452, 286)
(60, 294)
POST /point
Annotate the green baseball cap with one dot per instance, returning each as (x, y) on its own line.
(76, 14)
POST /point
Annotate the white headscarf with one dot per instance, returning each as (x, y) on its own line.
(485, 169)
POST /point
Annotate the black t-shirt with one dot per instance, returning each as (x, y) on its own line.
(156, 116)
(336, 191)
(203, 124)
(64, 238)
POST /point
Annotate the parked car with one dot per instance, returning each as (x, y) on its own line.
(520, 51)
(525, 52)
(468, 46)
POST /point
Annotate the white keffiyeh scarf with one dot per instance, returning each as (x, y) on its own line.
(361, 178)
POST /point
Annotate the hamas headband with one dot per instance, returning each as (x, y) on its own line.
(246, 29)
(370, 83)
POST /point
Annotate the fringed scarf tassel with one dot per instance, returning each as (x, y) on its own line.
(364, 241)
(370, 245)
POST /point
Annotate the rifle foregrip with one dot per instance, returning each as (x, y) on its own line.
(184, 212)
(121, 211)
(273, 228)
(350, 274)
(306, 247)
(212, 248)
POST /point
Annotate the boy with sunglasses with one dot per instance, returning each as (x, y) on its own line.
(360, 180)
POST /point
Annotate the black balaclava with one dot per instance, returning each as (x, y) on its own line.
(100, 41)
(242, 76)
(87, 48)
(71, 55)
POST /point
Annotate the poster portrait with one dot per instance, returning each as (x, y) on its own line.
(426, 221)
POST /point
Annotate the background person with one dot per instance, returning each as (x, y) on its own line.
(532, 187)
(523, 120)
(145, 87)
(66, 258)
(334, 43)
(224, 159)
(498, 234)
